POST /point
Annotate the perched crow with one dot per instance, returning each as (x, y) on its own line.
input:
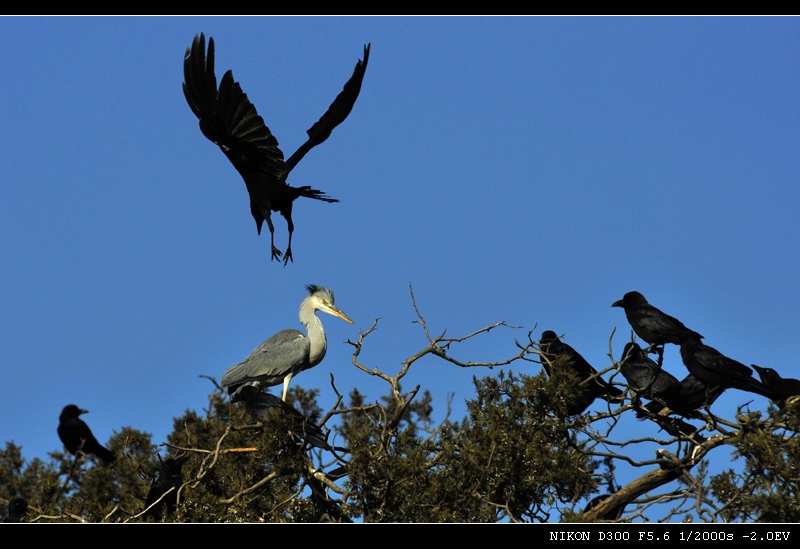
(716, 370)
(596, 387)
(17, 509)
(648, 379)
(782, 387)
(260, 405)
(76, 435)
(614, 513)
(229, 120)
(645, 376)
(691, 396)
(649, 323)
(169, 476)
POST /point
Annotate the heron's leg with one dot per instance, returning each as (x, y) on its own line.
(286, 381)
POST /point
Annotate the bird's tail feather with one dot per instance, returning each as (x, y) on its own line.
(308, 192)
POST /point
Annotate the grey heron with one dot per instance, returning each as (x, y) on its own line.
(229, 120)
(290, 351)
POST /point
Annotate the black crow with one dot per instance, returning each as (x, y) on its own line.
(596, 387)
(717, 370)
(615, 513)
(260, 405)
(782, 387)
(646, 377)
(694, 395)
(691, 396)
(17, 509)
(169, 475)
(229, 120)
(650, 324)
(76, 435)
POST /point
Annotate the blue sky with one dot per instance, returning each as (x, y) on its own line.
(527, 170)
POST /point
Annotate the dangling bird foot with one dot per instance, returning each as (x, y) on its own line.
(287, 257)
(276, 253)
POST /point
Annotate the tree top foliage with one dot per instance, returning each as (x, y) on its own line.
(517, 456)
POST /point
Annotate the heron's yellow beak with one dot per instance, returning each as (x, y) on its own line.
(336, 312)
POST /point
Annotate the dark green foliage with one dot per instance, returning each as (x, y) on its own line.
(510, 458)
(768, 489)
(517, 455)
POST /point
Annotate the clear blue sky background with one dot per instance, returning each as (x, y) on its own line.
(530, 170)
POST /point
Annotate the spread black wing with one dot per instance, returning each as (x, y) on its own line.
(230, 120)
(335, 114)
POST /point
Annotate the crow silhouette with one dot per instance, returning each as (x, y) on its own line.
(169, 476)
(646, 377)
(229, 120)
(714, 369)
(782, 387)
(650, 323)
(261, 405)
(77, 436)
(592, 385)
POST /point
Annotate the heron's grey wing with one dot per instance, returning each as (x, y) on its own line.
(287, 351)
(336, 113)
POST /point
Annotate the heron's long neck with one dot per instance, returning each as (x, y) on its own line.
(316, 337)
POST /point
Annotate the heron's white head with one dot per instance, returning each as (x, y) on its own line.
(321, 299)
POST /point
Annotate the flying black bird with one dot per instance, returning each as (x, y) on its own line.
(650, 324)
(17, 509)
(169, 475)
(288, 352)
(76, 435)
(229, 120)
(782, 387)
(260, 405)
(596, 387)
(717, 370)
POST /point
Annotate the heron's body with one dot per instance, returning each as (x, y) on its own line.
(288, 352)
(229, 120)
